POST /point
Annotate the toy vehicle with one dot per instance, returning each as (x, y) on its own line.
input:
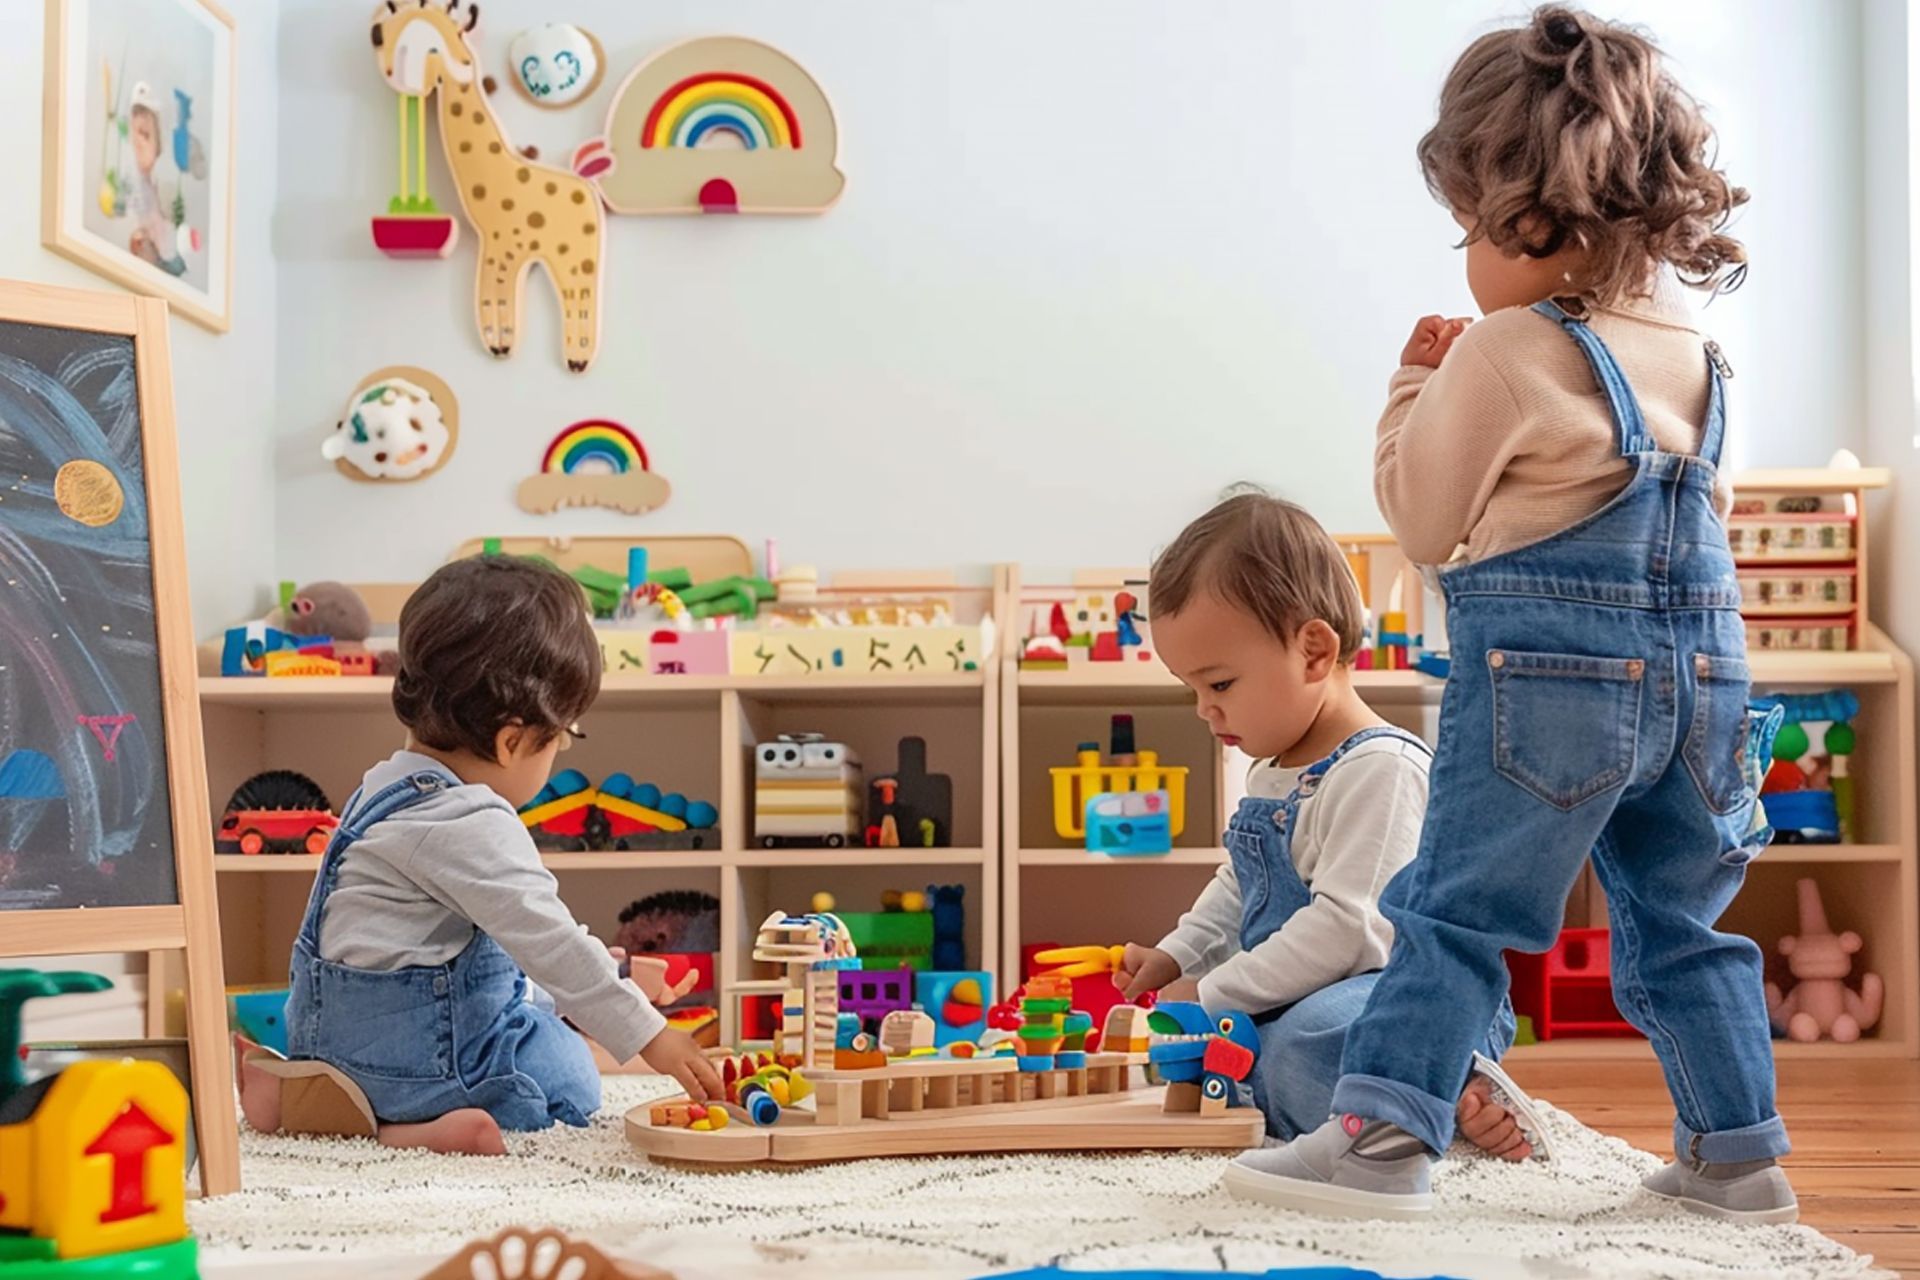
(807, 791)
(570, 815)
(276, 812)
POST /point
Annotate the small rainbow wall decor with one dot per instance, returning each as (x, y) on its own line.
(595, 463)
(595, 446)
(751, 109)
(721, 124)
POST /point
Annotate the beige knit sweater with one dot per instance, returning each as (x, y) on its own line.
(1510, 440)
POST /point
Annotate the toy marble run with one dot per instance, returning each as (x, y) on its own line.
(1081, 788)
(1039, 1088)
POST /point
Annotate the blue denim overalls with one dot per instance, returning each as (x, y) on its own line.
(429, 1039)
(1597, 703)
(1301, 1043)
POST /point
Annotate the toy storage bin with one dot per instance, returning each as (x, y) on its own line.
(1568, 990)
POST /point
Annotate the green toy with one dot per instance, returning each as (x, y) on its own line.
(17, 986)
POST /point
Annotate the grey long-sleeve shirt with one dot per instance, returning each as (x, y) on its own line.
(1358, 828)
(414, 889)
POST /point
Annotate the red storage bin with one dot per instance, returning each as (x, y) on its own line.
(1568, 991)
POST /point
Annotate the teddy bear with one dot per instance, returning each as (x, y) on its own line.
(1821, 1003)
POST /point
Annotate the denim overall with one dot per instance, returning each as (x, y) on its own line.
(1301, 1043)
(429, 1039)
(1597, 704)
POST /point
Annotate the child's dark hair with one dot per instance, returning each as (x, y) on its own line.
(493, 641)
(1568, 131)
(1267, 556)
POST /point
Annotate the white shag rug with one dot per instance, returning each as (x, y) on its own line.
(1582, 1215)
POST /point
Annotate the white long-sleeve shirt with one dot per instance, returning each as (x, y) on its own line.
(1358, 828)
(416, 887)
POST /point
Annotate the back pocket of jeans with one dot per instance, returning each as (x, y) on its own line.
(1565, 725)
(1723, 741)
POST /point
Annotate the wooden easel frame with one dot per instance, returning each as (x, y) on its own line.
(192, 925)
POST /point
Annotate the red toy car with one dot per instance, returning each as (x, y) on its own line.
(253, 831)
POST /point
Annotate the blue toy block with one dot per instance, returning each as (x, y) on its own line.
(1035, 1063)
(1069, 1061)
(933, 992)
(246, 648)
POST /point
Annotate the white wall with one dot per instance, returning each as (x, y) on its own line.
(223, 384)
(1096, 259)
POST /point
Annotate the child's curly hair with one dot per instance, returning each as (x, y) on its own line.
(1569, 130)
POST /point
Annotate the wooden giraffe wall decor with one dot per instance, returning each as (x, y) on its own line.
(522, 213)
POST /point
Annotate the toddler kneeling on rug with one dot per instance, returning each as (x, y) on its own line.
(1255, 609)
(431, 909)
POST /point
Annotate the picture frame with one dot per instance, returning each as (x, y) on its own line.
(137, 173)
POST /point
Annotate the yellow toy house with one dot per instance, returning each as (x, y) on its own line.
(92, 1159)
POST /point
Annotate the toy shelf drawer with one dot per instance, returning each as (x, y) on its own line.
(1802, 635)
(1796, 593)
(1820, 537)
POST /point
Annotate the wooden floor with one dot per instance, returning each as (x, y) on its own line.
(1855, 1128)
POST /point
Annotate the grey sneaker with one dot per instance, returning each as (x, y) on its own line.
(1755, 1191)
(1349, 1167)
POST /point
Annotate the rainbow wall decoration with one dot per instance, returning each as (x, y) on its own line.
(595, 463)
(717, 125)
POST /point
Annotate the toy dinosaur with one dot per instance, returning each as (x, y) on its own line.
(1199, 1055)
(1821, 1003)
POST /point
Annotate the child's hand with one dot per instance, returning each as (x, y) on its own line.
(673, 1053)
(1144, 969)
(1431, 339)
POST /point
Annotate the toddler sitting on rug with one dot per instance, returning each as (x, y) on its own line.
(1255, 609)
(431, 908)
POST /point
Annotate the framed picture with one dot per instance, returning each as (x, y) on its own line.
(137, 183)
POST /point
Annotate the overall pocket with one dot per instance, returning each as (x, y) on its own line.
(396, 1025)
(1721, 745)
(1565, 725)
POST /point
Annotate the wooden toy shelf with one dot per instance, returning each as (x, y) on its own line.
(693, 734)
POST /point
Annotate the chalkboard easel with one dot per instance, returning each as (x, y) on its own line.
(106, 840)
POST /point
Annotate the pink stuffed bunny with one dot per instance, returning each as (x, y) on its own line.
(1820, 1003)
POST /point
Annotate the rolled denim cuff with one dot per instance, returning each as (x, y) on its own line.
(1762, 1141)
(1426, 1117)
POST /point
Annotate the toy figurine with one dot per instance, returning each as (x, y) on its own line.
(1821, 1004)
(1201, 1057)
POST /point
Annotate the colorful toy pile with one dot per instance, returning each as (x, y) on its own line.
(1808, 792)
(1098, 630)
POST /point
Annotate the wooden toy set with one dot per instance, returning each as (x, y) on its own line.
(1030, 1091)
(1801, 555)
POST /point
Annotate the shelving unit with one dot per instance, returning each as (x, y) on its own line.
(996, 731)
(692, 734)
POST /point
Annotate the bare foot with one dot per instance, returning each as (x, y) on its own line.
(469, 1132)
(1488, 1125)
(259, 1092)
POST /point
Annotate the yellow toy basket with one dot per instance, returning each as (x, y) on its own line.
(1074, 785)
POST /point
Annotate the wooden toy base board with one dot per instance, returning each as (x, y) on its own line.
(1130, 1121)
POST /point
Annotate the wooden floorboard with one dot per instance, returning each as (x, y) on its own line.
(1855, 1128)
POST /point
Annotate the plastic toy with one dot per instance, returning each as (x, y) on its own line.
(260, 1014)
(1568, 990)
(1821, 1005)
(1204, 1057)
(245, 649)
(868, 1104)
(957, 1001)
(806, 792)
(1130, 824)
(571, 815)
(907, 1033)
(595, 463)
(556, 64)
(1076, 786)
(910, 805)
(92, 1159)
(1089, 969)
(949, 925)
(522, 213)
(658, 153)
(400, 423)
(872, 995)
(1808, 790)
(279, 811)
